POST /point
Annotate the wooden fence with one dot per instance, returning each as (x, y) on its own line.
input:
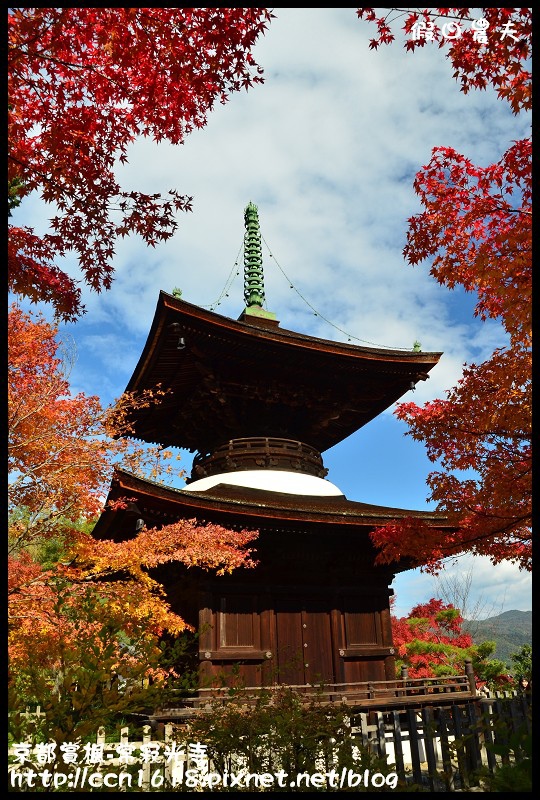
(445, 748)
(433, 748)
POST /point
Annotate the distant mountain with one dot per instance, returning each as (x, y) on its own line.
(509, 630)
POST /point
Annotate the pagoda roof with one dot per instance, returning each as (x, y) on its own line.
(230, 379)
(254, 509)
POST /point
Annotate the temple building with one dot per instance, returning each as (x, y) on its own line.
(258, 405)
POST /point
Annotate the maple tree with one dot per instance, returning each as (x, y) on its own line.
(476, 232)
(76, 603)
(431, 643)
(83, 84)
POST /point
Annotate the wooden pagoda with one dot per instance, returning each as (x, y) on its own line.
(258, 405)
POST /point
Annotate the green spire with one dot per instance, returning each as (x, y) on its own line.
(253, 271)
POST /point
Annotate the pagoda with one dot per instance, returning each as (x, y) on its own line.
(258, 405)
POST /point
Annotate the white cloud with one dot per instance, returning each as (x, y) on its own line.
(492, 590)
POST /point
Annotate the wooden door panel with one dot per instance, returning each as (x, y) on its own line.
(317, 642)
(289, 650)
(304, 641)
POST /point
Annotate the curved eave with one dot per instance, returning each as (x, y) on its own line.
(230, 376)
(235, 506)
(170, 309)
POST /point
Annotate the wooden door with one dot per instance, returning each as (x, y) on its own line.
(305, 647)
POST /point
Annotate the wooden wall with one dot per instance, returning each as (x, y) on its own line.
(303, 636)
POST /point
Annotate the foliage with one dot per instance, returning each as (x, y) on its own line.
(431, 643)
(522, 664)
(81, 609)
(83, 84)
(514, 777)
(499, 61)
(476, 231)
(282, 731)
(85, 664)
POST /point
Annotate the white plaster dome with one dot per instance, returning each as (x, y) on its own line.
(270, 480)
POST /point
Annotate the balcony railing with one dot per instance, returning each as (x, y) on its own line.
(402, 692)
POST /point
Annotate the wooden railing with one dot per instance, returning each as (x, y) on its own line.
(401, 692)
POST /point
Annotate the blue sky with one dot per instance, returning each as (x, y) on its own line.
(327, 148)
